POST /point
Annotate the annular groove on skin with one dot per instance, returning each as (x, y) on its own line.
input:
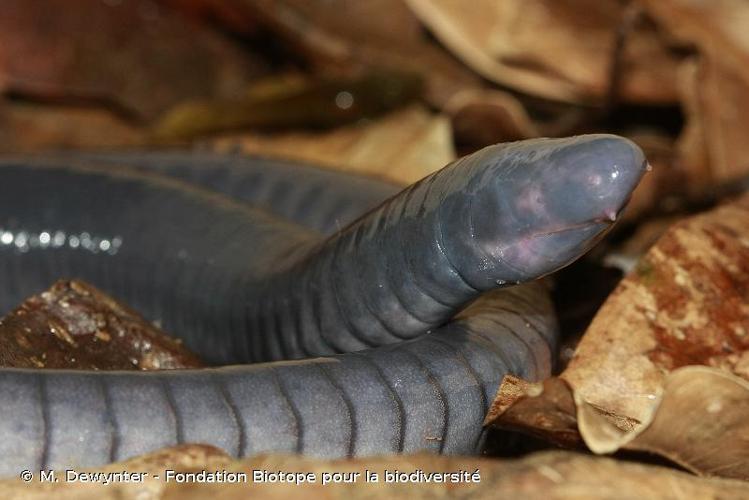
(408, 285)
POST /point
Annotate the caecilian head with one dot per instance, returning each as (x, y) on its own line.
(548, 201)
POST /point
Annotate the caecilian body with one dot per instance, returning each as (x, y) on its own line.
(389, 333)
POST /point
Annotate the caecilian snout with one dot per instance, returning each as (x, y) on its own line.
(553, 199)
(592, 178)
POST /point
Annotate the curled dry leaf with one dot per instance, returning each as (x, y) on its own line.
(571, 62)
(89, 50)
(74, 325)
(684, 304)
(547, 476)
(403, 146)
(700, 423)
(713, 86)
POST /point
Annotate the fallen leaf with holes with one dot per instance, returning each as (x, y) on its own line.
(684, 304)
(402, 147)
(571, 62)
(549, 476)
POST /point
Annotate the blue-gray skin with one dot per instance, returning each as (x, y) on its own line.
(239, 285)
(316, 198)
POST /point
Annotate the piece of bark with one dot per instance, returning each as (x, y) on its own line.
(137, 57)
(548, 476)
(570, 62)
(75, 326)
(402, 147)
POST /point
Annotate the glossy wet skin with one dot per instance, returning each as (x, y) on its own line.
(508, 213)
(561, 197)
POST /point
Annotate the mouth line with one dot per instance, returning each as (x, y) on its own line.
(606, 221)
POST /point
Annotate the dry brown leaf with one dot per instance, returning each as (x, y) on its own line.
(229, 15)
(664, 179)
(571, 62)
(714, 87)
(544, 409)
(684, 304)
(699, 420)
(691, 147)
(89, 50)
(34, 127)
(719, 111)
(185, 457)
(700, 423)
(626, 255)
(402, 147)
(481, 117)
(291, 101)
(341, 36)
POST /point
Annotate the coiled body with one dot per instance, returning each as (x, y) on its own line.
(239, 285)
